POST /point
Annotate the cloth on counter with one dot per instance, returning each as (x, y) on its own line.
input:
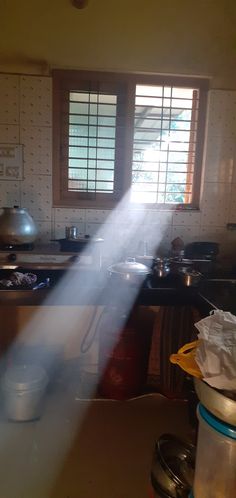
(18, 279)
(216, 351)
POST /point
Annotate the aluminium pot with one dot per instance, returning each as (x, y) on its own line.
(17, 227)
(129, 271)
(217, 402)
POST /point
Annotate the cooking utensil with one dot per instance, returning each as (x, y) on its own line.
(162, 267)
(129, 271)
(17, 226)
(190, 277)
(216, 402)
(71, 232)
(78, 244)
(173, 466)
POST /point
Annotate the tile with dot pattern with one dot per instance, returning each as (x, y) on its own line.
(9, 193)
(186, 233)
(44, 231)
(215, 203)
(9, 134)
(37, 143)
(97, 215)
(222, 113)
(36, 196)
(9, 99)
(220, 159)
(187, 218)
(69, 216)
(35, 101)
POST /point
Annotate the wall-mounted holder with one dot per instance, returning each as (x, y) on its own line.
(11, 162)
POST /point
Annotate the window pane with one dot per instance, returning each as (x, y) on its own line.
(174, 178)
(79, 96)
(80, 152)
(107, 186)
(143, 197)
(105, 164)
(78, 141)
(78, 108)
(106, 132)
(140, 176)
(105, 175)
(77, 120)
(92, 141)
(80, 130)
(78, 174)
(106, 121)
(77, 163)
(178, 157)
(164, 142)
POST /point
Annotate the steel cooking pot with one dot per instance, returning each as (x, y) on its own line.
(173, 467)
(16, 226)
(190, 277)
(162, 267)
(129, 271)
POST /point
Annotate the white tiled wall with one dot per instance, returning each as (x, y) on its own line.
(26, 118)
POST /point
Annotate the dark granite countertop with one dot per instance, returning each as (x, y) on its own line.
(95, 288)
(219, 293)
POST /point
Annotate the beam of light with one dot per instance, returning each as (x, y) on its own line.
(56, 321)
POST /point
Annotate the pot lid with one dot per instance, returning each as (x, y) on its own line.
(129, 266)
(24, 377)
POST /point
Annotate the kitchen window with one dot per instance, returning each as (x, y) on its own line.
(118, 133)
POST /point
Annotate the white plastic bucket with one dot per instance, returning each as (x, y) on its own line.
(24, 388)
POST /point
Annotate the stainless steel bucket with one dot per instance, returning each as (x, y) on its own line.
(24, 387)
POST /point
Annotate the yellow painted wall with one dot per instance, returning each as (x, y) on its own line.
(173, 36)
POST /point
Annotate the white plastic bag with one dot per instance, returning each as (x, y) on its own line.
(216, 353)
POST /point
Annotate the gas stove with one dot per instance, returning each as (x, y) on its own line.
(45, 257)
(15, 248)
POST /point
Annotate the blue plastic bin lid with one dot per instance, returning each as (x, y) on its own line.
(215, 423)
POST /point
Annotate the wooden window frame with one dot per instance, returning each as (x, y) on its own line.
(125, 84)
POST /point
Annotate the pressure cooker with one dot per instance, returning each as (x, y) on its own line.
(17, 227)
(129, 271)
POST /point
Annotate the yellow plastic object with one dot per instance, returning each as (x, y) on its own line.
(185, 358)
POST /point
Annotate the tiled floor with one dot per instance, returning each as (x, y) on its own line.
(98, 449)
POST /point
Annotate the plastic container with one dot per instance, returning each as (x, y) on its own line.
(123, 354)
(23, 388)
(215, 473)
